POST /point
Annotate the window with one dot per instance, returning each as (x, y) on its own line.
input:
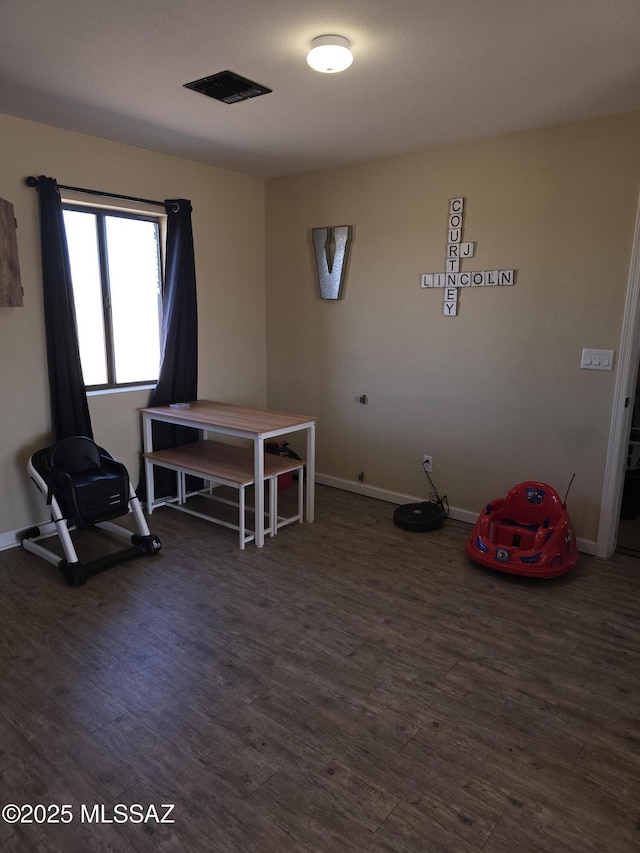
(116, 277)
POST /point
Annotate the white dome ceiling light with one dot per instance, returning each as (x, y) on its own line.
(330, 54)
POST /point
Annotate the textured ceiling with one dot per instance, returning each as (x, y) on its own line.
(425, 73)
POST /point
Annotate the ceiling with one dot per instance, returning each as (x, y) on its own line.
(425, 73)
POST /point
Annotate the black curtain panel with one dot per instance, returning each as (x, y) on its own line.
(69, 408)
(178, 381)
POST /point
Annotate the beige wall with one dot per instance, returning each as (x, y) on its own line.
(228, 222)
(496, 395)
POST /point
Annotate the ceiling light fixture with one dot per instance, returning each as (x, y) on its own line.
(330, 54)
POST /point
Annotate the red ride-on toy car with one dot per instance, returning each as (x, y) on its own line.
(528, 532)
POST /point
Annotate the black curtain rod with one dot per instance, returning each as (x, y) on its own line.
(33, 182)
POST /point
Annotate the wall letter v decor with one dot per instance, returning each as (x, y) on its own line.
(332, 252)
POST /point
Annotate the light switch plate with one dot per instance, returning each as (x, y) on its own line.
(597, 359)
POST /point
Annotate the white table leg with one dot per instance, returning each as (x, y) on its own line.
(258, 486)
(311, 471)
(148, 465)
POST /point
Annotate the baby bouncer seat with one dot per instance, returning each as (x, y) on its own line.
(85, 487)
(527, 532)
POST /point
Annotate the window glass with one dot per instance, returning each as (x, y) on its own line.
(82, 240)
(134, 281)
(116, 276)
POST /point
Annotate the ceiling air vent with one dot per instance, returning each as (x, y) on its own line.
(228, 87)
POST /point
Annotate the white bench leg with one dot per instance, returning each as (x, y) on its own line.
(241, 524)
(273, 501)
(301, 494)
(273, 505)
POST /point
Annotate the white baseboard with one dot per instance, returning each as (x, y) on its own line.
(9, 540)
(386, 495)
(586, 546)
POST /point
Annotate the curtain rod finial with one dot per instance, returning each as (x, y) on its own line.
(31, 181)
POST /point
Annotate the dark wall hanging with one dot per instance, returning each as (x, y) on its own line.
(10, 287)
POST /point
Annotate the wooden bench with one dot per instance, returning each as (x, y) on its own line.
(220, 464)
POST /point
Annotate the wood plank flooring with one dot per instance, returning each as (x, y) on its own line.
(349, 687)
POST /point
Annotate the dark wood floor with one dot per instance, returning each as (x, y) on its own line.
(349, 687)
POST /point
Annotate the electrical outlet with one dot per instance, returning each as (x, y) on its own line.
(427, 462)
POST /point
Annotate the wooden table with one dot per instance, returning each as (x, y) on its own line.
(257, 425)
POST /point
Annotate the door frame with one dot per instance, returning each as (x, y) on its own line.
(622, 410)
